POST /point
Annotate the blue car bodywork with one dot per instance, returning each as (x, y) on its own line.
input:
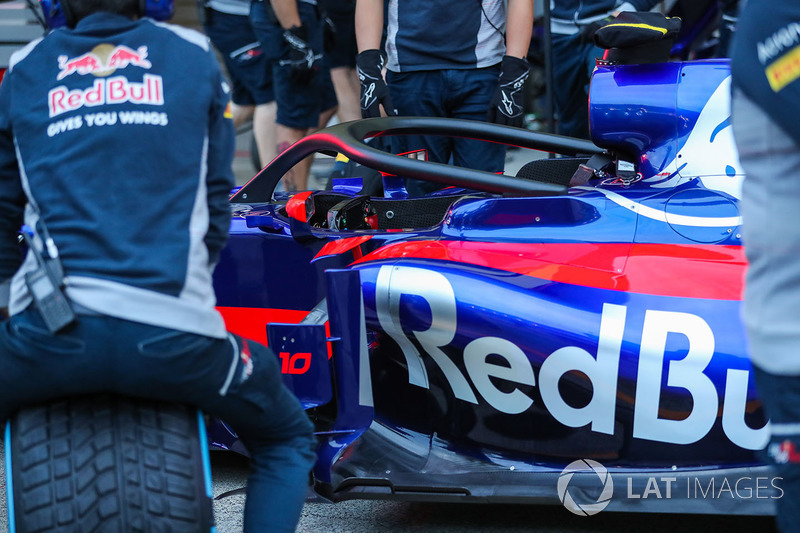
(531, 324)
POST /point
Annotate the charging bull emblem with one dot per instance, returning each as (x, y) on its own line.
(103, 60)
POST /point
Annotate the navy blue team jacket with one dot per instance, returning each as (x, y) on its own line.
(445, 34)
(765, 60)
(118, 135)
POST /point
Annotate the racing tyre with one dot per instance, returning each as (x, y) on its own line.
(108, 464)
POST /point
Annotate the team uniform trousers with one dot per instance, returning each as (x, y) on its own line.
(105, 354)
(453, 93)
(573, 63)
(248, 69)
(771, 232)
(344, 51)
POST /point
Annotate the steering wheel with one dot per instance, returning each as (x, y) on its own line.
(348, 138)
(350, 214)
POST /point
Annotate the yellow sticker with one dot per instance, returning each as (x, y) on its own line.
(228, 112)
(784, 70)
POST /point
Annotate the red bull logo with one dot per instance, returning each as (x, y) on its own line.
(103, 60)
(116, 90)
(122, 56)
(85, 64)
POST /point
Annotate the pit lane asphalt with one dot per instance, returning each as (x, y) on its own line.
(229, 473)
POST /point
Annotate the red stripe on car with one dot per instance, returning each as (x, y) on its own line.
(251, 322)
(680, 270)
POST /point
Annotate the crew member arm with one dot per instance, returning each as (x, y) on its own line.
(519, 25)
(219, 180)
(369, 24)
(12, 198)
(287, 13)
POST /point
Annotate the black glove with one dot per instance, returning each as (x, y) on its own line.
(507, 102)
(302, 59)
(374, 91)
(588, 31)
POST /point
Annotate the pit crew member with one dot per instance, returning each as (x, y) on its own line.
(765, 65)
(115, 152)
(290, 32)
(451, 59)
(227, 24)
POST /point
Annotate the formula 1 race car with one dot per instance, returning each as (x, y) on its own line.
(474, 343)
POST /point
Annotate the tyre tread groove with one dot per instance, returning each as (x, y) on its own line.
(108, 464)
